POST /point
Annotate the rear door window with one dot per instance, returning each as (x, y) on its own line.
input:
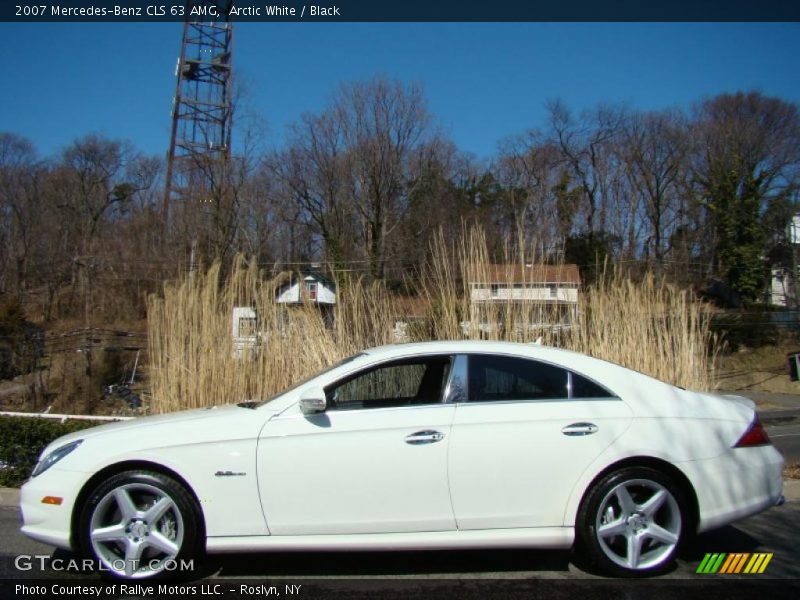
(496, 378)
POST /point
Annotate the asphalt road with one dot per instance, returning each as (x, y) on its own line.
(783, 427)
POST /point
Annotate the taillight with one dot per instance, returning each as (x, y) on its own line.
(755, 435)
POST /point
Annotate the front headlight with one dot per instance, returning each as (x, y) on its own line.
(55, 456)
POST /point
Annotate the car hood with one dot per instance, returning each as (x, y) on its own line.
(167, 420)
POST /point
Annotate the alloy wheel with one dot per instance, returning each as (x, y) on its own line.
(638, 524)
(136, 530)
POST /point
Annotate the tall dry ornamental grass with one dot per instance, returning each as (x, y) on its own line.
(649, 326)
(193, 361)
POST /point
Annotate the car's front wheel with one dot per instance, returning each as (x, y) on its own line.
(140, 524)
(632, 521)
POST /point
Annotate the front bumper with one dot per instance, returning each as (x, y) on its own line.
(50, 523)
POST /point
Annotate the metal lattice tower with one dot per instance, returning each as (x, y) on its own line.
(202, 107)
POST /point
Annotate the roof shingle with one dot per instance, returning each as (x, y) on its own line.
(517, 273)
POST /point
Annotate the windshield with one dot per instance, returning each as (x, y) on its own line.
(307, 379)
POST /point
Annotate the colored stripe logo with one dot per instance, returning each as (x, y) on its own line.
(735, 563)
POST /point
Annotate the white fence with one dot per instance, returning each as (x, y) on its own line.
(63, 418)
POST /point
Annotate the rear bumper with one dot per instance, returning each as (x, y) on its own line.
(739, 483)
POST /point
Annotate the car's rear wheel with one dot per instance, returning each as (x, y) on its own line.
(140, 524)
(632, 521)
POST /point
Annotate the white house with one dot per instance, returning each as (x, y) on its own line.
(309, 287)
(782, 288)
(244, 330)
(554, 288)
(780, 291)
(299, 289)
(540, 283)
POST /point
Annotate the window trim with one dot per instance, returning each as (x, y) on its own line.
(611, 396)
(399, 361)
(458, 380)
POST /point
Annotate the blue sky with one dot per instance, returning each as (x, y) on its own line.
(483, 82)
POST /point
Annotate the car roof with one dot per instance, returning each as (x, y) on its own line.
(529, 349)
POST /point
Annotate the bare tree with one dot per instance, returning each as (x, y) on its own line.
(653, 151)
(530, 168)
(585, 145)
(384, 123)
(313, 174)
(20, 209)
(352, 168)
(97, 180)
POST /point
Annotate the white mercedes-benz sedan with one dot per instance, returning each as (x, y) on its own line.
(415, 446)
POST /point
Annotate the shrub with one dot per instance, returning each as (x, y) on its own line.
(22, 440)
(752, 328)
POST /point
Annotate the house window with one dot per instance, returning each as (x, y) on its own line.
(247, 326)
(311, 289)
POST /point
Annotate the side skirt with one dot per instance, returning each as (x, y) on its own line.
(536, 537)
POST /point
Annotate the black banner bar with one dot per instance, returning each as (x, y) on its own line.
(402, 11)
(403, 589)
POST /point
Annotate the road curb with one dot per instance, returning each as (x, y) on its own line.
(791, 489)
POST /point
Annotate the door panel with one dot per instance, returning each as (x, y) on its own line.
(513, 462)
(511, 465)
(374, 462)
(354, 471)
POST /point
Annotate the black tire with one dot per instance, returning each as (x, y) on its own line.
(634, 507)
(145, 526)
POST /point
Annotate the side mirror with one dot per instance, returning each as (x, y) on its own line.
(312, 401)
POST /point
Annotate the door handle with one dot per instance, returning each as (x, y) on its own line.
(580, 429)
(427, 436)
